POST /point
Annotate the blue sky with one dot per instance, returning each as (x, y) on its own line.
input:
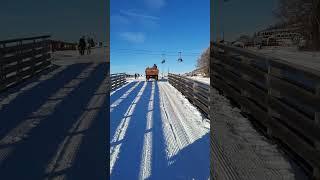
(142, 30)
(64, 19)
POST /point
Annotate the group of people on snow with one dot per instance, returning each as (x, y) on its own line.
(85, 45)
(136, 75)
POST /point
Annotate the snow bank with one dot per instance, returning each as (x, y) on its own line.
(205, 80)
(303, 58)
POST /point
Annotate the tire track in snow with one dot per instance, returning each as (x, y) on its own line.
(191, 122)
(181, 124)
(172, 141)
(124, 96)
(122, 128)
(176, 136)
(20, 132)
(145, 170)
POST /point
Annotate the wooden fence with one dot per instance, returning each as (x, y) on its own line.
(284, 98)
(23, 58)
(117, 80)
(197, 92)
(62, 46)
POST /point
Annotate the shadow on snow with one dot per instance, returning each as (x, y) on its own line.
(119, 111)
(31, 157)
(190, 162)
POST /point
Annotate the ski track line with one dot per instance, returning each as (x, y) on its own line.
(188, 120)
(173, 127)
(177, 106)
(124, 96)
(180, 130)
(8, 98)
(122, 128)
(172, 143)
(180, 125)
(67, 150)
(20, 132)
(145, 168)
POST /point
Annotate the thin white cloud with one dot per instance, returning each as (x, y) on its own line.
(138, 15)
(155, 4)
(133, 37)
(119, 19)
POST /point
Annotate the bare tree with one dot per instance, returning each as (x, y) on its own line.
(203, 61)
(304, 13)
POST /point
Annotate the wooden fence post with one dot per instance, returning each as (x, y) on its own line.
(2, 75)
(19, 61)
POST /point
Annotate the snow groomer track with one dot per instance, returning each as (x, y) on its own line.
(155, 133)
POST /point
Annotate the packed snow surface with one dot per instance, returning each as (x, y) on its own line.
(290, 54)
(205, 80)
(155, 133)
(69, 57)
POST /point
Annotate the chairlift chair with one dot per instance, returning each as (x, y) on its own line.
(180, 59)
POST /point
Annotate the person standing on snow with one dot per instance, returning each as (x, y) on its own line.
(82, 45)
(89, 46)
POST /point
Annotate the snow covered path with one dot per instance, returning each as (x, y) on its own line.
(53, 125)
(155, 133)
(240, 152)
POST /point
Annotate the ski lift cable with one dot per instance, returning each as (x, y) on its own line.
(145, 50)
(153, 54)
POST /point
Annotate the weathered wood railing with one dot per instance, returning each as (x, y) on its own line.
(197, 92)
(23, 58)
(62, 46)
(282, 97)
(117, 80)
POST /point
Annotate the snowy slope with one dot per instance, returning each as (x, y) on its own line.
(205, 80)
(303, 58)
(155, 133)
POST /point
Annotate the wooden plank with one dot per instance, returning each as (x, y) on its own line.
(24, 64)
(229, 91)
(260, 115)
(229, 78)
(24, 55)
(24, 39)
(202, 99)
(289, 90)
(254, 93)
(298, 145)
(200, 105)
(21, 47)
(304, 79)
(198, 90)
(296, 120)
